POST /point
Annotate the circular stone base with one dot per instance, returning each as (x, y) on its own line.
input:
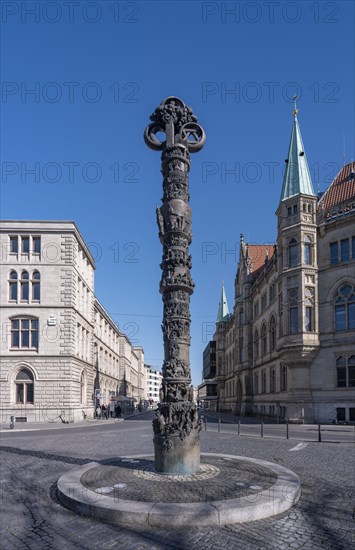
(227, 489)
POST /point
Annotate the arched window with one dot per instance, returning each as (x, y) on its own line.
(307, 250)
(256, 344)
(36, 290)
(345, 308)
(13, 286)
(24, 387)
(263, 340)
(24, 284)
(24, 333)
(272, 333)
(292, 253)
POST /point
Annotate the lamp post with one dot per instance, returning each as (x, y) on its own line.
(176, 424)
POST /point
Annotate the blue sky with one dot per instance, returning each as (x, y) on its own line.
(97, 70)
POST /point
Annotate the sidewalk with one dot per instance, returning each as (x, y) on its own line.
(40, 426)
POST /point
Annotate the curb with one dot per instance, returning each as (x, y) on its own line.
(281, 496)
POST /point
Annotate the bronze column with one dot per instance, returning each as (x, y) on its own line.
(176, 424)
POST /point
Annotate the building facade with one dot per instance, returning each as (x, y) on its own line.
(62, 354)
(288, 349)
(153, 384)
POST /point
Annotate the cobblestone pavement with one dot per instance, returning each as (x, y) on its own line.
(32, 518)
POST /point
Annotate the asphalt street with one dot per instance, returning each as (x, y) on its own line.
(32, 462)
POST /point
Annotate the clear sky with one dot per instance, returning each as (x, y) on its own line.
(97, 70)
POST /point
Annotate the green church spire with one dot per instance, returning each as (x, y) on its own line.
(223, 310)
(297, 178)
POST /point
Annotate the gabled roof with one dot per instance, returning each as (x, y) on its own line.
(223, 310)
(259, 254)
(297, 178)
(341, 189)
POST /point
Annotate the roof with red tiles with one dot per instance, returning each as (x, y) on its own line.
(341, 189)
(258, 253)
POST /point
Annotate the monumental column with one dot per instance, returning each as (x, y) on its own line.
(176, 424)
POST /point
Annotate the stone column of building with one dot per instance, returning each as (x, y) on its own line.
(176, 425)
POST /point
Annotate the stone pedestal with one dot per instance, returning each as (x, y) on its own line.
(174, 455)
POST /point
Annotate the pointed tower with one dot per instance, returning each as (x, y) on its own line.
(223, 310)
(298, 268)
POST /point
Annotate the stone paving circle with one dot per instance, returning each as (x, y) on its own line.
(227, 489)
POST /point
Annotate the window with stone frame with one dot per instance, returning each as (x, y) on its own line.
(272, 380)
(263, 339)
(345, 367)
(13, 244)
(24, 286)
(309, 309)
(13, 286)
(344, 307)
(24, 333)
(263, 381)
(307, 250)
(344, 250)
(272, 333)
(24, 387)
(25, 244)
(256, 344)
(334, 254)
(256, 383)
(263, 301)
(292, 253)
(36, 286)
(292, 295)
(283, 377)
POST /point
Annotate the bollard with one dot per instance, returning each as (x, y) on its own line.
(205, 424)
(219, 426)
(319, 434)
(287, 430)
(238, 427)
(262, 429)
(12, 422)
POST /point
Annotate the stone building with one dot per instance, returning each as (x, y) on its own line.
(288, 349)
(62, 353)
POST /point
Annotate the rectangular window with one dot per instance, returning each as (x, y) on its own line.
(307, 254)
(353, 247)
(340, 317)
(14, 245)
(283, 376)
(345, 250)
(309, 319)
(352, 414)
(295, 208)
(29, 393)
(36, 245)
(293, 255)
(263, 382)
(351, 316)
(333, 253)
(293, 320)
(19, 393)
(341, 377)
(340, 414)
(25, 245)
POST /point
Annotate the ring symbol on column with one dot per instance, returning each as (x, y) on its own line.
(150, 136)
(193, 135)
